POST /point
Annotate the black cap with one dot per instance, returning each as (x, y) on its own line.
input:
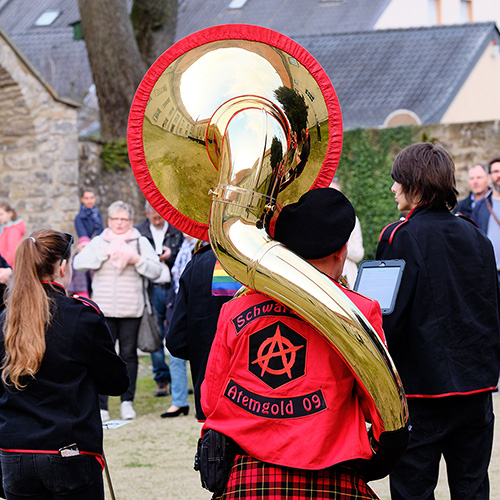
(318, 225)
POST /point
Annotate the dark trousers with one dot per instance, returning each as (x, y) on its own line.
(51, 477)
(459, 428)
(125, 331)
(161, 371)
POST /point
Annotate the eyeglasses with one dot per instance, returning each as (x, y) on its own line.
(70, 242)
(117, 219)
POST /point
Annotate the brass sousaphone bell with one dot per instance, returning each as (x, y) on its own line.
(225, 111)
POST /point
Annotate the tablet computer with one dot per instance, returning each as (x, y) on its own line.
(380, 280)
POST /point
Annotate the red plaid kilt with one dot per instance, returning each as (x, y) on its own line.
(255, 480)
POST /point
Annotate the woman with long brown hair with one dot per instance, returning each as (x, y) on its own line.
(57, 356)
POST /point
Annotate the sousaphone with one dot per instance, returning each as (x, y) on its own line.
(214, 131)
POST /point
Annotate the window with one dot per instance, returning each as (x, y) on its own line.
(48, 17)
(236, 4)
(434, 12)
(465, 11)
(308, 94)
(160, 90)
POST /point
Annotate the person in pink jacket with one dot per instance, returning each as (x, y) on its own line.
(12, 230)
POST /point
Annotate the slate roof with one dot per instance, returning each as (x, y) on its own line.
(290, 17)
(420, 69)
(62, 61)
(373, 72)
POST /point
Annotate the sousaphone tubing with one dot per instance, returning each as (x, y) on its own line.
(228, 123)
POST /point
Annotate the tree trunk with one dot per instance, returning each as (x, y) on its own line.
(115, 60)
(154, 23)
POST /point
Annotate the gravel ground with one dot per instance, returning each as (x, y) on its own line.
(152, 458)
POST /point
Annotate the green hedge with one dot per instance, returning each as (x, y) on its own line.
(364, 174)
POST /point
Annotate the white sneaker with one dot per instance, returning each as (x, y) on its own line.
(127, 410)
(105, 416)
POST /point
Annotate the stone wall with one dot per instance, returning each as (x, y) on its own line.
(38, 146)
(469, 144)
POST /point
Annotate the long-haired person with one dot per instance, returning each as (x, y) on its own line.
(444, 332)
(57, 356)
(122, 260)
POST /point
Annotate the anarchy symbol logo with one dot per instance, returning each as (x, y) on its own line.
(267, 351)
(277, 354)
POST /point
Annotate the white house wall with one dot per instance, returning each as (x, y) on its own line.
(479, 98)
(415, 13)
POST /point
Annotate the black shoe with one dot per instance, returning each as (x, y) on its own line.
(161, 389)
(170, 414)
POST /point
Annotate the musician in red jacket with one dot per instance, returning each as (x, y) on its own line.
(277, 388)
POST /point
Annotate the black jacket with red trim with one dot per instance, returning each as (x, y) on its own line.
(444, 333)
(60, 405)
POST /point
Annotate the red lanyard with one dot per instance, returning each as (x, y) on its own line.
(97, 456)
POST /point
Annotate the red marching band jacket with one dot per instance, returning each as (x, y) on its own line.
(278, 388)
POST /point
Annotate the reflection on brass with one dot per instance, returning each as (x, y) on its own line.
(195, 86)
(226, 118)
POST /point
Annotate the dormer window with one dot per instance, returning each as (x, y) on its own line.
(48, 17)
(236, 4)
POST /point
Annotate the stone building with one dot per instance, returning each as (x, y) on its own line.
(38, 144)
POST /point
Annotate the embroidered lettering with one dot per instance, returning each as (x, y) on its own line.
(267, 407)
(268, 308)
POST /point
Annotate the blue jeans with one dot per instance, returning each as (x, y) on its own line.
(459, 428)
(179, 385)
(161, 371)
(51, 477)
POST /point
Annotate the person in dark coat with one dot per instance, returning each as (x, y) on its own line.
(486, 213)
(166, 240)
(444, 333)
(88, 223)
(479, 180)
(57, 355)
(196, 311)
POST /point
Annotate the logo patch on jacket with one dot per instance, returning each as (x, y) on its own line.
(277, 354)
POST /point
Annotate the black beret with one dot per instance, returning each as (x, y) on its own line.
(318, 225)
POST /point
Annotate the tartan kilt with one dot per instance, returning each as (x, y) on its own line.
(252, 479)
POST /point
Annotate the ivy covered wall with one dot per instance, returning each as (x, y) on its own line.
(364, 174)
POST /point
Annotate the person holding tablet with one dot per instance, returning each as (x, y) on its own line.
(443, 334)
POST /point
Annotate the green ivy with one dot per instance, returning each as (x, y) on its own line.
(365, 175)
(114, 155)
